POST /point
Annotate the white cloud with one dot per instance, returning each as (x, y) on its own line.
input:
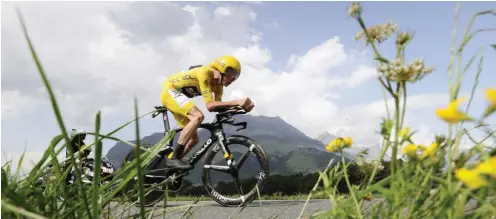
(98, 56)
(256, 38)
(305, 95)
(222, 11)
(360, 75)
(15, 103)
(253, 55)
(320, 59)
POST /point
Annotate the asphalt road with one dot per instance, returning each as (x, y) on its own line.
(210, 209)
(256, 209)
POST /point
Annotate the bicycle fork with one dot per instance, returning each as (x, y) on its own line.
(227, 153)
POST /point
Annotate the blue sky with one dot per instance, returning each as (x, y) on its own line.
(95, 50)
(304, 24)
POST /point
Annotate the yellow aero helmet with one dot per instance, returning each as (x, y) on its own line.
(227, 65)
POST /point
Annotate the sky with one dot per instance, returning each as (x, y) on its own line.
(300, 62)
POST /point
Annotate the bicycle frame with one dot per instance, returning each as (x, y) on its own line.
(216, 134)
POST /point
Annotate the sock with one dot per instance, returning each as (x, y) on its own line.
(178, 151)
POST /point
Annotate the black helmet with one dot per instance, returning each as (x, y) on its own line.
(78, 136)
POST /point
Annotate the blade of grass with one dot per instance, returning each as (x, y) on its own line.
(477, 74)
(472, 59)
(453, 52)
(277, 215)
(35, 171)
(352, 193)
(97, 166)
(314, 188)
(130, 170)
(34, 174)
(453, 150)
(16, 176)
(138, 167)
(7, 206)
(17, 199)
(189, 208)
(151, 213)
(238, 211)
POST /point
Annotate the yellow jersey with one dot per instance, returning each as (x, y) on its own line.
(195, 82)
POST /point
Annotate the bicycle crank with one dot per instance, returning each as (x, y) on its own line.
(175, 181)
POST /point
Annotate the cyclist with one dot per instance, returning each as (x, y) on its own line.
(77, 142)
(206, 81)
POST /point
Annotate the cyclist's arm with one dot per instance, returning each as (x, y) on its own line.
(206, 89)
(212, 105)
(216, 102)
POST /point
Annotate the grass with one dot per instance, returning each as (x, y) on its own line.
(418, 186)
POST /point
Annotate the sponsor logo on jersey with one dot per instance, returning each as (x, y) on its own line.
(187, 77)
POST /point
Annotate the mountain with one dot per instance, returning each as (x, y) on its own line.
(288, 149)
(325, 137)
(303, 160)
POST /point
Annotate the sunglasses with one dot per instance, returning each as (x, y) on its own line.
(233, 73)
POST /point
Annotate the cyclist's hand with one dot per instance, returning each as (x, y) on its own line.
(250, 107)
(247, 104)
(244, 102)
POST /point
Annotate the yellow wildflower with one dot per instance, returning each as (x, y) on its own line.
(430, 151)
(491, 97)
(488, 167)
(368, 197)
(331, 148)
(347, 142)
(410, 150)
(470, 178)
(405, 132)
(334, 145)
(451, 113)
(339, 143)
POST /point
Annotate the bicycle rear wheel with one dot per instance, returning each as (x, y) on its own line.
(151, 196)
(131, 192)
(261, 180)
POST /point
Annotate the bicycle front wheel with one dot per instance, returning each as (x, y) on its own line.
(244, 193)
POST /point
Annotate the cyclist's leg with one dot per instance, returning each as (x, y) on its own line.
(189, 135)
(179, 105)
(191, 143)
(190, 124)
(183, 122)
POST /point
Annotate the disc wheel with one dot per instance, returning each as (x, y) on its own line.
(245, 197)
